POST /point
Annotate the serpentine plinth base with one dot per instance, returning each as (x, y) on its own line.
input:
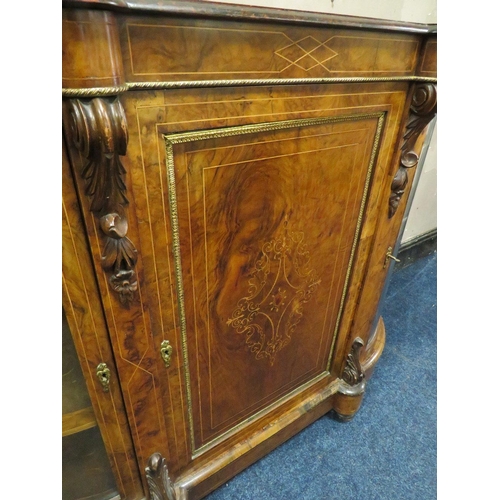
(347, 401)
(371, 354)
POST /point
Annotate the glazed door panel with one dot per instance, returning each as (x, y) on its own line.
(269, 217)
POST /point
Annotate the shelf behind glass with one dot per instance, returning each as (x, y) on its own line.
(86, 471)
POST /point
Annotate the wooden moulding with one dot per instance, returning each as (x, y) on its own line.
(91, 54)
(347, 400)
(370, 356)
(98, 129)
(106, 53)
(194, 8)
(428, 58)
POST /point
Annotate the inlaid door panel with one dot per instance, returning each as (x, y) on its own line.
(268, 218)
(255, 208)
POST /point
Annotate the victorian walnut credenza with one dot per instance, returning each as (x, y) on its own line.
(234, 181)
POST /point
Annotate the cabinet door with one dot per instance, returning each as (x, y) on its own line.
(269, 217)
(255, 211)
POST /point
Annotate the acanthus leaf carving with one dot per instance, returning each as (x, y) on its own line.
(353, 373)
(160, 486)
(422, 110)
(99, 131)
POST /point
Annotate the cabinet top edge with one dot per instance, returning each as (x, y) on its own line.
(196, 8)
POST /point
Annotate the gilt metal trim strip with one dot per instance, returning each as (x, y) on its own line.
(95, 91)
(373, 157)
(184, 137)
(103, 91)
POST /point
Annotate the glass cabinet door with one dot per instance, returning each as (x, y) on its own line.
(86, 472)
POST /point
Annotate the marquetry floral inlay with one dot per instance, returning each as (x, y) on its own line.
(280, 284)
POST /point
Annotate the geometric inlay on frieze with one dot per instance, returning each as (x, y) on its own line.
(280, 284)
(307, 53)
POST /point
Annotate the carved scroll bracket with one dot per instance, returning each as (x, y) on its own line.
(98, 129)
(160, 486)
(423, 109)
(353, 377)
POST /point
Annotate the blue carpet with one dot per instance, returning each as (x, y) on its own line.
(388, 451)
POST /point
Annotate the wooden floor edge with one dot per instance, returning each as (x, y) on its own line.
(370, 356)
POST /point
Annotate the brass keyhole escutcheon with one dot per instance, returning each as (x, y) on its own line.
(103, 374)
(166, 352)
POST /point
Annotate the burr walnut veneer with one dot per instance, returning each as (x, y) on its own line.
(233, 184)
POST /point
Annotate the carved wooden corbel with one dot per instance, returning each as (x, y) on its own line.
(160, 486)
(423, 109)
(99, 131)
(353, 373)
